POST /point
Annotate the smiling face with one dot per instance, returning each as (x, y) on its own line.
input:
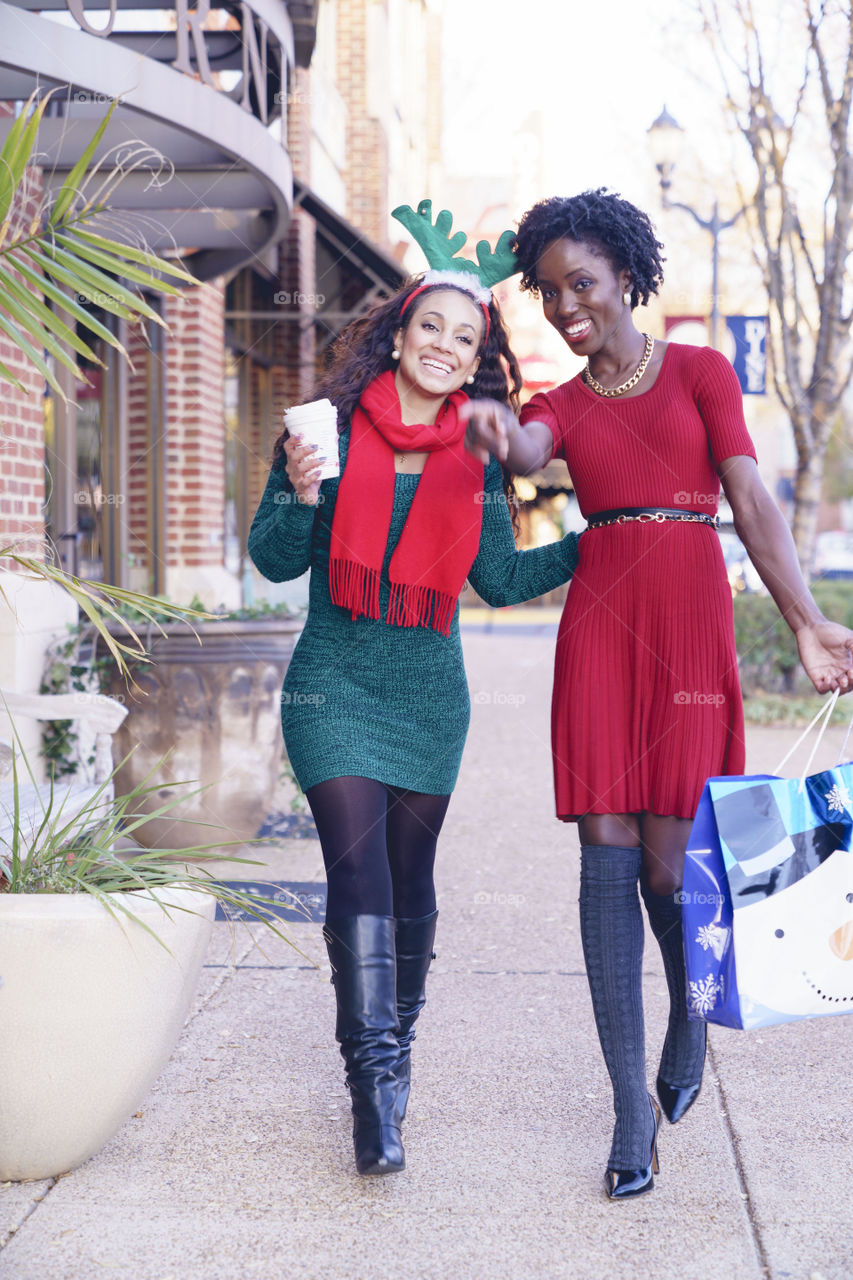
(794, 950)
(438, 348)
(582, 295)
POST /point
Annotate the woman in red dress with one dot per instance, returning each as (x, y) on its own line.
(647, 703)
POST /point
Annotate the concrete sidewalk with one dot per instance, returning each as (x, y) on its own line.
(239, 1164)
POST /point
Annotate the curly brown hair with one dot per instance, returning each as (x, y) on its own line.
(362, 351)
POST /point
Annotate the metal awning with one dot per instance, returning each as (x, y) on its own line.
(351, 273)
(377, 265)
(228, 200)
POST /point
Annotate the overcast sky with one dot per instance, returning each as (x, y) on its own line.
(600, 73)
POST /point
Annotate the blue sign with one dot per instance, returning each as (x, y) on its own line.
(750, 361)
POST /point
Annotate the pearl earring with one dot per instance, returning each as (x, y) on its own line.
(470, 378)
(395, 354)
(626, 297)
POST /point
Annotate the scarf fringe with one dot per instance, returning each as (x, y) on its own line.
(355, 587)
(421, 607)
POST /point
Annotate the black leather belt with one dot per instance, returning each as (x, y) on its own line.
(621, 515)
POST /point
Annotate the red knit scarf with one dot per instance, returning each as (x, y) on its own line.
(441, 535)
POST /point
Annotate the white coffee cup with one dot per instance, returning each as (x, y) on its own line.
(317, 423)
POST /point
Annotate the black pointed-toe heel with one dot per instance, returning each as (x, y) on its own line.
(622, 1183)
(677, 1099)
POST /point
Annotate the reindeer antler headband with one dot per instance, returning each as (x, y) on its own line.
(440, 249)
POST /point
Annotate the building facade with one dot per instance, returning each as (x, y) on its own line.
(278, 136)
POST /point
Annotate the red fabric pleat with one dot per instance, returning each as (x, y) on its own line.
(647, 701)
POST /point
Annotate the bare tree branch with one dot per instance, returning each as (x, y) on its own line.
(803, 272)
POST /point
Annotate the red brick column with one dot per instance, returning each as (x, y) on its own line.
(138, 447)
(22, 492)
(293, 342)
(196, 435)
(366, 173)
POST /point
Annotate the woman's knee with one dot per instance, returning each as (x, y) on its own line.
(620, 829)
(664, 845)
(662, 878)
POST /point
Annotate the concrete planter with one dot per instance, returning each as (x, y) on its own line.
(216, 707)
(91, 1006)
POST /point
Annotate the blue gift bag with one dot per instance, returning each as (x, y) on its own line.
(768, 898)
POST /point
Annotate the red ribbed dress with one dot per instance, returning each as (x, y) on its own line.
(647, 702)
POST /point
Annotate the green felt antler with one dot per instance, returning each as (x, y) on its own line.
(440, 248)
(436, 241)
(499, 265)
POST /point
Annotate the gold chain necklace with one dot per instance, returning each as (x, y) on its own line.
(595, 386)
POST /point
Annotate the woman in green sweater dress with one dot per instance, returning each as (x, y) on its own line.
(375, 705)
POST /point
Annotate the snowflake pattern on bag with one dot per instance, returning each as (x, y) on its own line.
(703, 995)
(838, 798)
(712, 937)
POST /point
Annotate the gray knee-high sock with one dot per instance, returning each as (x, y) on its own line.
(684, 1046)
(612, 936)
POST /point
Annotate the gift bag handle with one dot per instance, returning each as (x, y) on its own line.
(825, 714)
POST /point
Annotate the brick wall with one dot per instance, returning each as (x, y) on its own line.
(366, 172)
(138, 447)
(196, 457)
(292, 344)
(22, 491)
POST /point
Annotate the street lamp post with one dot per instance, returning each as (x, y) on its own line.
(664, 136)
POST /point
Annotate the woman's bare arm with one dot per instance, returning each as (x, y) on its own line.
(826, 648)
(494, 429)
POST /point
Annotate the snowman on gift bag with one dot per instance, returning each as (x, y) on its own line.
(789, 864)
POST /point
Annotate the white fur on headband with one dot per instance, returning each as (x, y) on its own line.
(463, 280)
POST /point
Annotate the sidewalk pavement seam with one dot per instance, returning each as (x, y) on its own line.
(740, 1171)
(217, 986)
(37, 1201)
(28, 1212)
(436, 970)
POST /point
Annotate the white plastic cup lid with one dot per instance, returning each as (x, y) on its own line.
(320, 410)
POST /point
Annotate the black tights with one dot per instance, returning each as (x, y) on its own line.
(378, 846)
(663, 842)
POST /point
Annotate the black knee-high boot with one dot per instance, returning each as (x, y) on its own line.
(612, 935)
(361, 952)
(683, 1058)
(414, 941)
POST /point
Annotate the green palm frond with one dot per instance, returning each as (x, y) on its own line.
(104, 604)
(60, 256)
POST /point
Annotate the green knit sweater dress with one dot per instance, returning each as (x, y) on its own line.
(366, 699)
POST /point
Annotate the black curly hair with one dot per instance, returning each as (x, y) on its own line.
(617, 229)
(363, 350)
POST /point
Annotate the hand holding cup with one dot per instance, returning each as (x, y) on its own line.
(312, 447)
(304, 469)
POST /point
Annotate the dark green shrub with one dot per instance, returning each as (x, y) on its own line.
(767, 651)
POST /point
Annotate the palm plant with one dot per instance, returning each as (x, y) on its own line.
(73, 850)
(47, 260)
(60, 257)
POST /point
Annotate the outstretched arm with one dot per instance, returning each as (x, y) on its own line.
(494, 429)
(502, 574)
(826, 648)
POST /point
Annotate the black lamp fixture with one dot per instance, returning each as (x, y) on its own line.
(666, 145)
